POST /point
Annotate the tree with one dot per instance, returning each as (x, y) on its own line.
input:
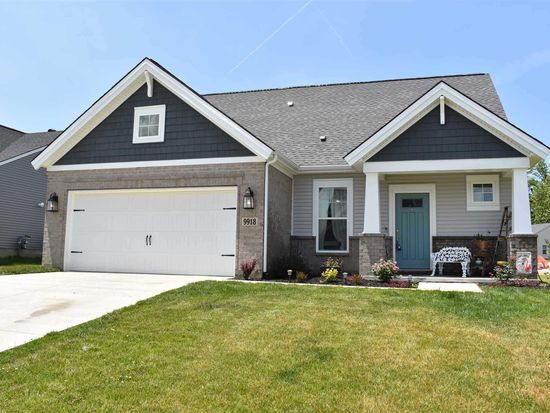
(539, 193)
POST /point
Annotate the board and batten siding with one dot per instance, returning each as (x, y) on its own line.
(302, 205)
(452, 215)
(22, 189)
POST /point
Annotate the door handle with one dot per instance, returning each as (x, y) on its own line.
(150, 239)
(147, 240)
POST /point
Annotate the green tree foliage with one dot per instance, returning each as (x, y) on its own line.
(539, 193)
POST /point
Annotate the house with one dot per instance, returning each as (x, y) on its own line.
(543, 233)
(156, 178)
(23, 191)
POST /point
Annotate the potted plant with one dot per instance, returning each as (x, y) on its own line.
(481, 243)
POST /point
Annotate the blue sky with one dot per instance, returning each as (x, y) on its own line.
(58, 57)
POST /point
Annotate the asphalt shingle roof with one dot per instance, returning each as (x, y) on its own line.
(347, 114)
(28, 142)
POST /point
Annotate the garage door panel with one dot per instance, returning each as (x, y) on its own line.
(189, 229)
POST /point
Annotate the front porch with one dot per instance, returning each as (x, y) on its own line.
(414, 208)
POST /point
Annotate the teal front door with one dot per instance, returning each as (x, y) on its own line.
(412, 230)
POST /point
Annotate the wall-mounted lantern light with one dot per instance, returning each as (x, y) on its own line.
(248, 199)
(52, 205)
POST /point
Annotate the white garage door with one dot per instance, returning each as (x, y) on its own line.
(166, 231)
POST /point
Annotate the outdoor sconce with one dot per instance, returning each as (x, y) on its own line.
(52, 205)
(248, 199)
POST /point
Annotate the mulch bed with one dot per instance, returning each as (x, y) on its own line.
(364, 283)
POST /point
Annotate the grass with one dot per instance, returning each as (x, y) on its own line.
(224, 346)
(22, 265)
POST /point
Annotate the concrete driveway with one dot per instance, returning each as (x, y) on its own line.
(33, 305)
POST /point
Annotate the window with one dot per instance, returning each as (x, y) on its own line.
(544, 249)
(482, 193)
(149, 124)
(333, 209)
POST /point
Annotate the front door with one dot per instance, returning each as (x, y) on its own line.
(412, 230)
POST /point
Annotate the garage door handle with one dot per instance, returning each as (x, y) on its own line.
(228, 255)
(150, 239)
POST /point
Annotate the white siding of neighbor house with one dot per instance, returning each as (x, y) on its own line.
(452, 216)
(303, 202)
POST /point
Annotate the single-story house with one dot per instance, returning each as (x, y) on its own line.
(23, 191)
(157, 178)
(543, 238)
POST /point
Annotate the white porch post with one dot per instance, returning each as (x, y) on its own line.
(521, 212)
(371, 223)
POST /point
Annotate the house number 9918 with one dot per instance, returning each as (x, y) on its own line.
(250, 222)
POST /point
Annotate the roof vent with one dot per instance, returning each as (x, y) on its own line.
(290, 103)
(322, 138)
(52, 130)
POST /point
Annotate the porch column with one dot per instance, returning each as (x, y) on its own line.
(521, 212)
(371, 221)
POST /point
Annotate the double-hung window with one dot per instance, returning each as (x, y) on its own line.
(332, 211)
(149, 124)
(482, 193)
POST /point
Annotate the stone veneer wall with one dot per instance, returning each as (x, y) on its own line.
(523, 243)
(249, 239)
(373, 248)
(439, 242)
(304, 246)
(279, 218)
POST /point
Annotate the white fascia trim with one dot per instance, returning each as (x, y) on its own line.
(146, 164)
(15, 158)
(65, 141)
(447, 165)
(325, 169)
(427, 102)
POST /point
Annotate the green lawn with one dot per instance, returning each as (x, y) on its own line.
(20, 265)
(224, 346)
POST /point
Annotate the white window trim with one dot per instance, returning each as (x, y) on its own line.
(327, 183)
(149, 110)
(472, 205)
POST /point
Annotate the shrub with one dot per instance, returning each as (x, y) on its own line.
(503, 271)
(385, 270)
(332, 262)
(301, 276)
(355, 279)
(329, 275)
(247, 267)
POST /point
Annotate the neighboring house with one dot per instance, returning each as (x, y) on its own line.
(154, 177)
(23, 190)
(543, 233)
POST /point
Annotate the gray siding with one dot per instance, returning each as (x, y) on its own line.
(22, 188)
(459, 138)
(188, 135)
(452, 216)
(303, 202)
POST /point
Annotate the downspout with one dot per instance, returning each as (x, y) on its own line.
(266, 202)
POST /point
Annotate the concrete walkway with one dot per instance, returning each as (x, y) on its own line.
(460, 287)
(32, 305)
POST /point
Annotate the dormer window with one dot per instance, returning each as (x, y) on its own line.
(149, 124)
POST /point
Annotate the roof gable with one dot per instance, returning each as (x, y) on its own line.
(188, 134)
(458, 138)
(499, 127)
(141, 74)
